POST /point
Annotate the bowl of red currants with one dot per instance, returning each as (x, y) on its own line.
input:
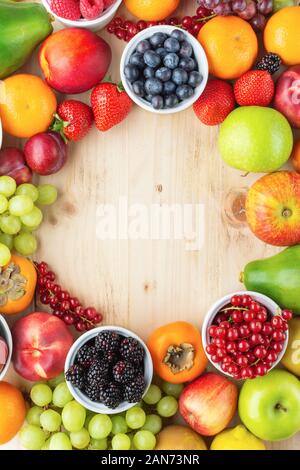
(245, 334)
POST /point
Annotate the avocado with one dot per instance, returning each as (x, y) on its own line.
(278, 277)
(22, 27)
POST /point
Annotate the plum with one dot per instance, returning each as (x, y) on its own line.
(287, 96)
(12, 163)
(45, 153)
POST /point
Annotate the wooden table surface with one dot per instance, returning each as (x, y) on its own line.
(147, 160)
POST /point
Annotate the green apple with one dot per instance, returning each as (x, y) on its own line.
(269, 406)
(255, 139)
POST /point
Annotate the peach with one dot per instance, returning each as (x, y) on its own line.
(74, 60)
(41, 343)
(287, 97)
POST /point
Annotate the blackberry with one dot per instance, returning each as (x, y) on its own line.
(123, 372)
(107, 341)
(76, 375)
(97, 372)
(110, 395)
(86, 355)
(133, 391)
(110, 357)
(270, 62)
(92, 392)
(132, 351)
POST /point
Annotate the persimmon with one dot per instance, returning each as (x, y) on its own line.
(177, 352)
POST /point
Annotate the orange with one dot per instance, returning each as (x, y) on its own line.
(296, 156)
(28, 105)
(12, 411)
(230, 44)
(282, 35)
(152, 10)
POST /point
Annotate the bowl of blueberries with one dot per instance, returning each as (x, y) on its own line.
(164, 69)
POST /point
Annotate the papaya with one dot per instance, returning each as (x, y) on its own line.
(278, 277)
(22, 27)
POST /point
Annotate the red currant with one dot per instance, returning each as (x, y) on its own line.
(236, 300)
(246, 300)
(244, 331)
(68, 319)
(220, 342)
(278, 336)
(187, 22)
(285, 326)
(65, 305)
(237, 316)
(202, 12)
(80, 326)
(56, 289)
(260, 352)
(98, 319)
(271, 357)
(141, 25)
(262, 315)
(45, 299)
(277, 347)
(53, 302)
(174, 21)
(255, 326)
(267, 329)
(232, 334)
(261, 370)
(242, 360)
(211, 349)
(212, 330)
(225, 324)
(231, 347)
(277, 322)
(221, 352)
(255, 307)
(227, 360)
(215, 358)
(220, 332)
(248, 316)
(74, 302)
(58, 313)
(233, 369)
(256, 339)
(243, 345)
(287, 314)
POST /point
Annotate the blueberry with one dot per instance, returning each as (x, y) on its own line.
(153, 86)
(195, 79)
(169, 88)
(184, 92)
(163, 73)
(137, 59)
(172, 45)
(149, 72)
(180, 76)
(179, 35)
(152, 59)
(148, 98)
(186, 49)
(188, 64)
(157, 102)
(131, 72)
(157, 39)
(143, 46)
(171, 60)
(138, 88)
(161, 51)
(171, 101)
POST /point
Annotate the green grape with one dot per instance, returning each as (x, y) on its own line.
(10, 224)
(119, 425)
(56, 380)
(98, 444)
(60, 441)
(153, 424)
(174, 390)
(7, 186)
(100, 426)
(153, 395)
(20, 205)
(73, 416)
(33, 219)
(80, 439)
(28, 189)
(50, 420)
(89, 416)
(7, 240)
(279, 4)
(25, 243)
(46, 446)
(26, 229)
(5, 254)
(47, 194)
(121, 442)
(3, 203)
(33, 415)
(144, 440)
(32, 437)
(61, 395)
(41, 394)
(135, 417)
(167, 407)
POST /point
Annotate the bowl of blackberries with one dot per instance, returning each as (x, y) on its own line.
(108, 369)
(164, 69)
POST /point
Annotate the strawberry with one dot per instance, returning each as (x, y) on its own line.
(68, 9)
(91, 9)
(110, 104)
(73, 120)
(215, 103)
(254, 88)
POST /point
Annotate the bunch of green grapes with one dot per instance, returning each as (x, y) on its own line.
(20, 216)
(56, 421)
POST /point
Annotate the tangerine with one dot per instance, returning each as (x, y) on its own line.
(152, 10)
(12, 411)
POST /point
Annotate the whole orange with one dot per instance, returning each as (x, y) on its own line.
(230, 44)
(296, 156)
(12, 411)
(28, 105)
(282, 35)
(152, 10)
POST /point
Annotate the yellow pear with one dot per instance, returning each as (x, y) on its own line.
(238, 438)
(291, 359)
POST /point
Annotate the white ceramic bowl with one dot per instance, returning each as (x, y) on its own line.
(6, 335)
(81, 397)
(199, 55)
(263, 299)
(92, 25)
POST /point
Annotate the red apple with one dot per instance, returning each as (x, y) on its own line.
(12, 163)
(287, 96)
(3, 353)
(273, 208)
(208, 404)
(74, 60)
(45, 153)
(41, 343)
